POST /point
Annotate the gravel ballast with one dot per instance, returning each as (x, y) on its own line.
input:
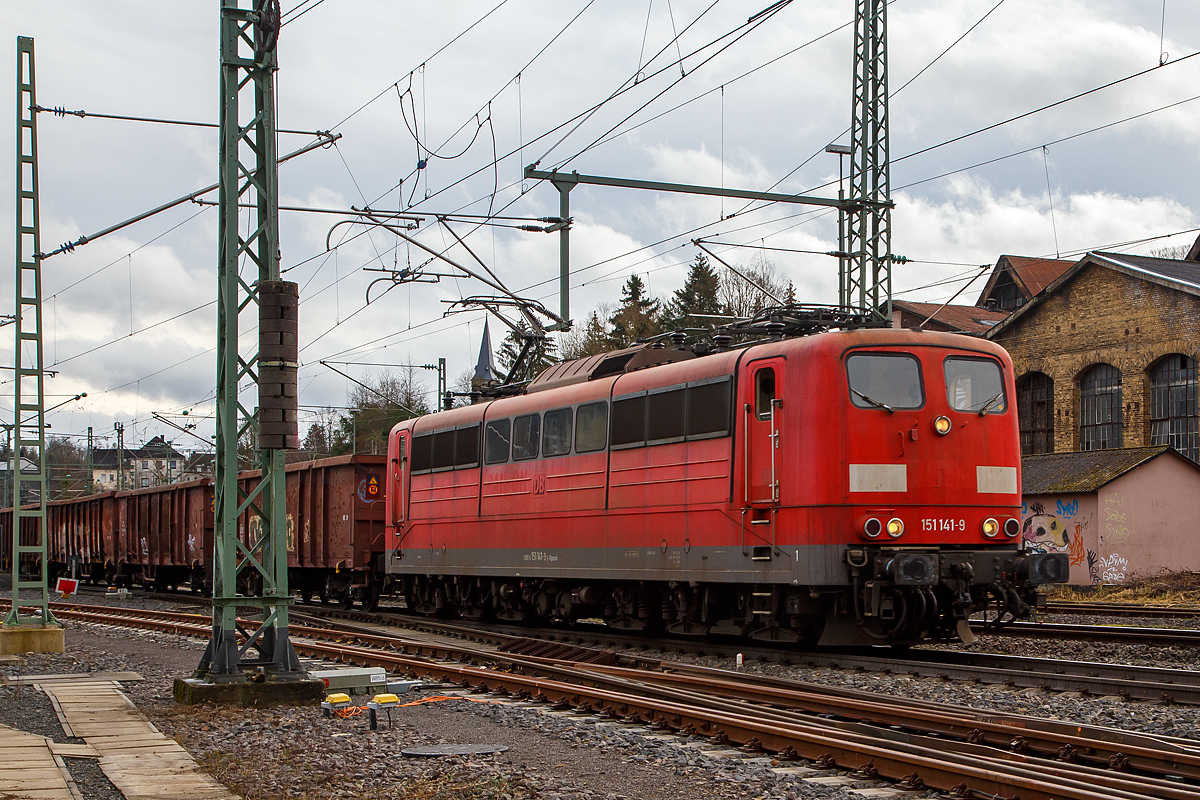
(296, 753)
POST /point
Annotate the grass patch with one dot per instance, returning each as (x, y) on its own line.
(1166, 588)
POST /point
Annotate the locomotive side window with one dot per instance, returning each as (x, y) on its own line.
(764, 392)
(665, 415)
(526, 433)
(885, 381)
(975, 384)
(591, 427)
(466, 447)
(422, 452)
(496, 446)
(556, 433)
(629, 422)
(708, 409)
(443, 449)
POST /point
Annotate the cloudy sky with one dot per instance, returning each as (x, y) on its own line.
(687, 92)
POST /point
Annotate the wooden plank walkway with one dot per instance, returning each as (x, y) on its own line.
(139, 760)
(29, 770)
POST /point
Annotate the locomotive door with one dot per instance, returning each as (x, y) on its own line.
(763, 410)
(400, 488)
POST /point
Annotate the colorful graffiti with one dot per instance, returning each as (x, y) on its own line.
(1044, 532)
(1060, 529)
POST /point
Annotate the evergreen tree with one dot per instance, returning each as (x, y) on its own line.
(543, 355)
(699, 294)
(637, 317)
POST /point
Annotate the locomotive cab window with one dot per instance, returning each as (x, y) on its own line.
(886, 381)
(495, 449)
(975, 385)
(764, 392)
(591, 428)
(526, 434)
(556, 433)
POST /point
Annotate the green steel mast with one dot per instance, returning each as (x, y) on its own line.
(29, 401)
(249, 175)
(866, 276)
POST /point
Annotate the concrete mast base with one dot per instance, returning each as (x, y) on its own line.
(16, 639)
(249, 694)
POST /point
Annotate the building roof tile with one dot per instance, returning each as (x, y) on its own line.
(1065, 473)
(964, 319)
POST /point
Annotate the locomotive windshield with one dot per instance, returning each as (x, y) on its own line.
(975, 384)
(885, 381)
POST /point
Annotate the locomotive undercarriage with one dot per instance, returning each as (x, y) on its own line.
(892, 596)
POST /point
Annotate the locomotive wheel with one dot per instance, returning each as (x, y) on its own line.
(306, 596)
(346, 600)
(370, 601)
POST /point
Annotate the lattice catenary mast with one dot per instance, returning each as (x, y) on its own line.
(249, 174)
(29, 401)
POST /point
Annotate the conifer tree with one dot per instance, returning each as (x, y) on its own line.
(543, 354)
(637, 317)
(698, 295)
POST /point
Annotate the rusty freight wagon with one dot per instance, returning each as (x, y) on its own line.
(162, 537)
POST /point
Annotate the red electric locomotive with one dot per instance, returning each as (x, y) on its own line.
(848, 487)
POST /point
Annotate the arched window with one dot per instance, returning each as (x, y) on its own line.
(1035, 413)
(1174, 417)
(1100, 408)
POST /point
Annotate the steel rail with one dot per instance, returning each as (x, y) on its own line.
(1123, 610)
(1163, 637)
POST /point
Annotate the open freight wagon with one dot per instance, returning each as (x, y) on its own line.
(162, 537)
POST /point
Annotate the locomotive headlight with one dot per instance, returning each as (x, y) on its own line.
(941, 426)
(990, 528)
(895, 527)
(872, 528)
(1012, 527)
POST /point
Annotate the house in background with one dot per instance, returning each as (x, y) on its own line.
(1015, 281)
(153, 464)
(1115, 513)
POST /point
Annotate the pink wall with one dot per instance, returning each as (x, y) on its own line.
(1147, 521)
(1140, 524)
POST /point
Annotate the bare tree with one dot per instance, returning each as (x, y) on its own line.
(742, 299)
(1177, 252)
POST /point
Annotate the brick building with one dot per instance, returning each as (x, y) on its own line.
(1105, 356)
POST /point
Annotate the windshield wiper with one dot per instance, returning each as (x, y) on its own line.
(873, 401)
(988, 405)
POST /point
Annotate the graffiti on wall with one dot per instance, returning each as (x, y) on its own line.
(1113, 569)
(1118, 522)
(1060, 529)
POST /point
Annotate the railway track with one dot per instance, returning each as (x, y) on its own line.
(1124, 610)
(1084, 677)
(913, 744)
